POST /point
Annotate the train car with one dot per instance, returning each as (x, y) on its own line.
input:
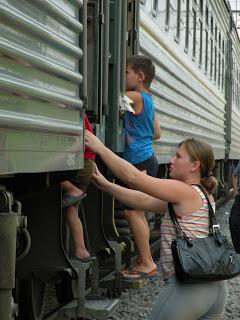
(57, 58)
(187, 40)
(60, 59)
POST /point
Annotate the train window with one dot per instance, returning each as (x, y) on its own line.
(201, 6)
(167, 20)
(215, 64)
(155, 7)
(206, 51)
(206, 15)
(223, 74)
(211, 25)
(178, 20)
(211, 61)
(219, 69)
(200, 42)
(194, 33)
(187, 26)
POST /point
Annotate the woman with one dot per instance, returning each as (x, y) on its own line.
(192, 165)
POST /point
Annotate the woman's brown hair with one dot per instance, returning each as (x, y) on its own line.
(202, 152)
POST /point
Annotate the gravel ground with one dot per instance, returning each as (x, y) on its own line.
(136, 304)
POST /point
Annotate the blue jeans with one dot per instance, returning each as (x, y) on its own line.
(195, 301)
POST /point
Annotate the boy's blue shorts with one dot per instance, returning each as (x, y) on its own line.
(150, 166)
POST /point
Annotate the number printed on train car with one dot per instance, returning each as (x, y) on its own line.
(71, 161)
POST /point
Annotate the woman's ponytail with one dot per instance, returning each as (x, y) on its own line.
(209, 183)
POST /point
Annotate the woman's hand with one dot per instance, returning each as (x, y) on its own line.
(93, 143)
(99, 180)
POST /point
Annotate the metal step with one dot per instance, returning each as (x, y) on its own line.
(101, 309)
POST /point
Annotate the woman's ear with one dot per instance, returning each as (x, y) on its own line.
(196, 166)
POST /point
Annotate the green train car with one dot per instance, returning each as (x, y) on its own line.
(61, 59)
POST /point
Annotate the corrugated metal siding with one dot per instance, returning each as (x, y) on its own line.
(41, 127)
(235, 119)
(186, 104)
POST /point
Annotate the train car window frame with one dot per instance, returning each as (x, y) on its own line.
(178, 21)
(206, 51)
(206, 15)
(200, 43)
(154, 7)
(219, 69)
(194, 37)
(201, 7)
(211, 46)
(167, 18)
(200, 21)
(215, 54)
(212, 24)
(223, 73)
(215, 63)
(187, 20)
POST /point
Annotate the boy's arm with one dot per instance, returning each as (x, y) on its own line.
(157, 128)
(136, 97)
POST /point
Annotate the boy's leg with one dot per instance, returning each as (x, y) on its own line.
(139, 225)
(76, 187)
(71, 189)
(76, 229)
(140, 230)
(73, 221)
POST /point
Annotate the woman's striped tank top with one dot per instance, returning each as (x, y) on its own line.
(195, 225)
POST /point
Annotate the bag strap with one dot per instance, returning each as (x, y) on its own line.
(213, 226)
(212, 217)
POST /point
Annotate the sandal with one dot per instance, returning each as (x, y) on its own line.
(135, 274)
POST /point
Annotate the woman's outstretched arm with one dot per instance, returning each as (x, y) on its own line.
(168, 190)
(132, 198)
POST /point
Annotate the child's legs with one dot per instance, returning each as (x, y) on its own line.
(140, 231)
(76, 229)
(76, 187)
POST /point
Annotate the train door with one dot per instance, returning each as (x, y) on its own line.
(112, 35)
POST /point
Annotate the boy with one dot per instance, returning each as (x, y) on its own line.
(74, 191)
(141, 129)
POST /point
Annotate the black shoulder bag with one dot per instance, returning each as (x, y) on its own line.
(203, 259)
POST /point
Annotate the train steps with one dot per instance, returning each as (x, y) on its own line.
(100, 308)
(92, 306)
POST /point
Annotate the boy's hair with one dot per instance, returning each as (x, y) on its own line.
(144, 64)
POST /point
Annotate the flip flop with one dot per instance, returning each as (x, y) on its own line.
(136, 274)
(68, 199)
(127, 270)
